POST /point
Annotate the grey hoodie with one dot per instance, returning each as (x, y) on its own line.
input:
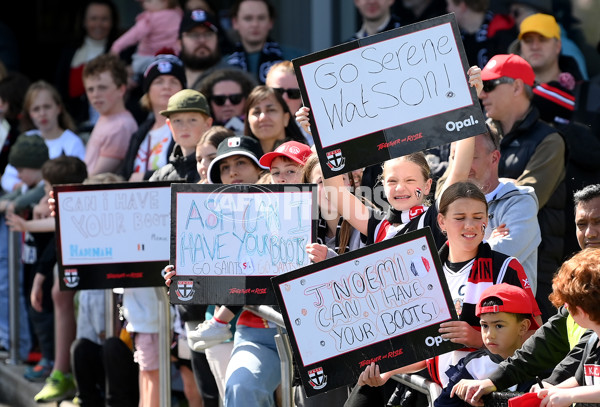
(517, 206)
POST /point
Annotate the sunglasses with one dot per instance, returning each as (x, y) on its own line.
(220, 100)
(489, 86)
(292, 93)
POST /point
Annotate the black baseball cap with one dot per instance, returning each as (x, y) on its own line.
(242, 145)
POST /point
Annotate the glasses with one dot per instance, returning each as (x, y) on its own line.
(220, 100)
(292, 93)
(197, 35)
(489, 86)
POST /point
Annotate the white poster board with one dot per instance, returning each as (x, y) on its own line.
(235, 237)
(112, 235)
(382, 303)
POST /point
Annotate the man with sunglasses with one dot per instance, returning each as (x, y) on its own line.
(532, 153)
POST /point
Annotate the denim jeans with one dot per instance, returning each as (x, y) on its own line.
(254, 371)
(24, 335)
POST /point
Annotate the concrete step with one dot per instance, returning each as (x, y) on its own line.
(16, 391)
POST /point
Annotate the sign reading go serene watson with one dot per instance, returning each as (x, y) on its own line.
(389, 94)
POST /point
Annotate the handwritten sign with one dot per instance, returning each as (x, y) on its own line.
(228, 240)
(389, 94)
(382, 303)
(112, 235)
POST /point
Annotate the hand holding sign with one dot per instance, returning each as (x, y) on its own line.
(389, 95)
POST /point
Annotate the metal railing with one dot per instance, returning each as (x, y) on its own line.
(431, 389)
(283, 348)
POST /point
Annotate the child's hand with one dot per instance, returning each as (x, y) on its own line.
(37, 294)
(168, 272)
(461, 332)
(474, 73)
(316, 252)
(471, 391)
(371, 376)
(556, 397)
(15, 222)
(536, 387)
(52, 204)
(302, 118)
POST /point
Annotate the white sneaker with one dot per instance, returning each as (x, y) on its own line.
(208, 334)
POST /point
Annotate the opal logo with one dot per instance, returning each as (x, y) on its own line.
(434, 341)
(457, 126)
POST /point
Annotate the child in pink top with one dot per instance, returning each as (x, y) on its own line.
(155, 28)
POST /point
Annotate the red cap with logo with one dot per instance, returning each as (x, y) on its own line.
(514, 299)
(293, 150)
(510, 66)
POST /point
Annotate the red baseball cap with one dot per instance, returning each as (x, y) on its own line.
(514, 300)
(293, 150)
(508, 65)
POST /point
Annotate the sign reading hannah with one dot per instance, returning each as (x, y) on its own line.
(389, 95)
(112, 235)
(228, 240)
(382, 303)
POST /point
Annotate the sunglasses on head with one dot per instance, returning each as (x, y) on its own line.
(489, 86)
(292, 93)
(220, 100)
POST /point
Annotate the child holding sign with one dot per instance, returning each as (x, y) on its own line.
(470, 267)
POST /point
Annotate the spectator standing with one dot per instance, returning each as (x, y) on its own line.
(96, 31)
(521, 9)
(227, 90)
(28, 154)
(376, 17)
(155, 28)
(282, 79)
(44, 114)
(105, 79)
(152, 143)
(12, 93)
(483, 32)
(413, 11)
(256, 52)
(532, 154)
(513, 225)
(202, 44)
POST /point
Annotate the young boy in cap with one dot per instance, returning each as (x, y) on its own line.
(286, 162)
(188, 117)
(506, 315)
(577, 287)
(27, 155)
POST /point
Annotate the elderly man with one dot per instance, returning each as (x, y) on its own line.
(532, 153)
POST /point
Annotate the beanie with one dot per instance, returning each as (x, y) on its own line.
(164, 64)
(28, 152)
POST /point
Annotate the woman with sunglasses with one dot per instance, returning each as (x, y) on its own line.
(282, 78)
(268, 119)
(227, 90)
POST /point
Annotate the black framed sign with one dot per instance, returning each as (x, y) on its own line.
(382, 303)
(112, 235)
(389, 95)
(227, 241)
